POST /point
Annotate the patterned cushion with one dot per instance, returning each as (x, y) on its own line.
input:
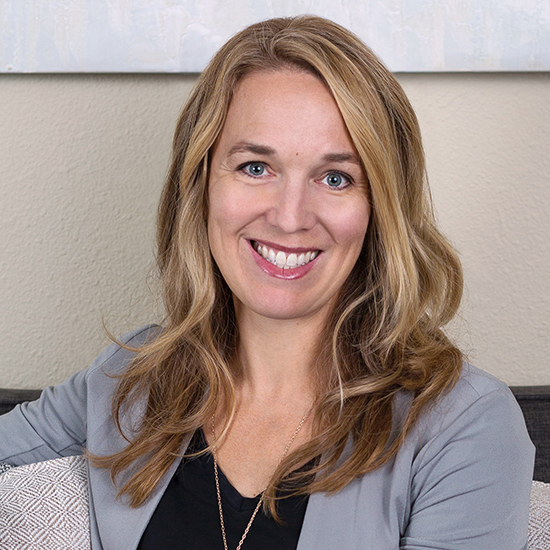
(539, 516)
(4, 467)
(44, 506)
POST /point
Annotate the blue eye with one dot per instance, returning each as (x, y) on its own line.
(337, 180)
(254, 169)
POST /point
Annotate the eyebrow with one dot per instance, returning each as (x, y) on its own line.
(342, 157)
(248, 147)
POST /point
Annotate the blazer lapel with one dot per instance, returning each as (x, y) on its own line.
(115, 525)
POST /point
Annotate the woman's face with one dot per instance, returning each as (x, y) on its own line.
(288, 207)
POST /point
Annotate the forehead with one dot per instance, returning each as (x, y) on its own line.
(285, 108)
(283, 86)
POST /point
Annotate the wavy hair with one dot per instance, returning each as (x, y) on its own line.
(384, 336)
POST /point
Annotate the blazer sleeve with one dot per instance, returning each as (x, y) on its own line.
(56, 425)
(471, 481)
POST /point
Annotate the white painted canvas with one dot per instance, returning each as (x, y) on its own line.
(182, 35)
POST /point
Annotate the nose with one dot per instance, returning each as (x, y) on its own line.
(292, 208)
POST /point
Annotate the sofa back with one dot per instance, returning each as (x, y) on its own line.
(535, 404)
(533, 400)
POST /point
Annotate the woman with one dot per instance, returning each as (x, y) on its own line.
(302, 368)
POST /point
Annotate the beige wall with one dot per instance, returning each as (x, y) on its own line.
(82, 162)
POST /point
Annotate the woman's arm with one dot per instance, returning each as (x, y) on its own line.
(50, 427)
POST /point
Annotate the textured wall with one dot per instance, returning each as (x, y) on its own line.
(83, 158)
(488, 148)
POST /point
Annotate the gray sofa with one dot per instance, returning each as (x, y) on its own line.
(535, 404)
(60, 486)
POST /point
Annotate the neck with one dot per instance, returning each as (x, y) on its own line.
(278, 358)
(276, 388)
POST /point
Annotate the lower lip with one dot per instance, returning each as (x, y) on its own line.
(279, 272)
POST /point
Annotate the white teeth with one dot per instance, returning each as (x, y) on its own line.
(280, 259)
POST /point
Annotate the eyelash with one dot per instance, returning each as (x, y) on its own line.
(343, 175)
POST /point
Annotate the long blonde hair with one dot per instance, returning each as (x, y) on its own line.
(385, 334)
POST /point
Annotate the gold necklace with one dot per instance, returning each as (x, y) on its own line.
(216, 476)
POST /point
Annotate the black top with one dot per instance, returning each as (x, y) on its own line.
(187, 516)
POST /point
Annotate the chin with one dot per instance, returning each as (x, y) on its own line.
(284, 310)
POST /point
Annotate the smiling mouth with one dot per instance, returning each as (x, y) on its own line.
(284, 260)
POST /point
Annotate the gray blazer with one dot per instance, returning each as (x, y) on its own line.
(461, 480)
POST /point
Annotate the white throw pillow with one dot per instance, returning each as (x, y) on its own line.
(539, 516)
(44, 506)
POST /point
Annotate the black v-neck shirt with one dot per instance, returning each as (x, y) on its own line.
(187, 516)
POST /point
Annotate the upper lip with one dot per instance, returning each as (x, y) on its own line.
(286, 249)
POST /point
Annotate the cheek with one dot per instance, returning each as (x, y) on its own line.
(231, 208)
(222, 212)
(350, 227)
(217, 219)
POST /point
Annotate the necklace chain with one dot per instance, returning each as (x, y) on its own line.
(260, 501)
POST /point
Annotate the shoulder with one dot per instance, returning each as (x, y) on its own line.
(478, 421)
(476, 383)
(475, 395)
(101, 377)
(114, 358)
